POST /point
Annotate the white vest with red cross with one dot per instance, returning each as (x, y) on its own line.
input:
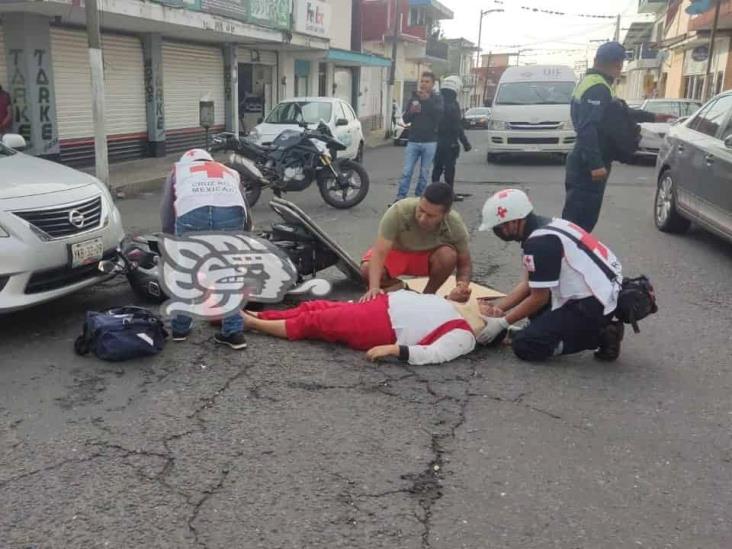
(577, 261)
(199, 184)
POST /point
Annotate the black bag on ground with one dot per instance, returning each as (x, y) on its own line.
(121, 334)
(636, 301)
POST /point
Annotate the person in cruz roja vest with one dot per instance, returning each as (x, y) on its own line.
(564, 291)
(606, 131)
(203, 195)
(413, 327)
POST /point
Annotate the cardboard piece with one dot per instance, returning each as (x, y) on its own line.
(479, 291)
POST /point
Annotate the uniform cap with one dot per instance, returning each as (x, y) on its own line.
(610, 52)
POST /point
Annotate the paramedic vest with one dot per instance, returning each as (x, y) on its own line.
(200, 184)
(578, 259)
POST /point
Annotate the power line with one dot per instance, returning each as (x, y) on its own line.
(561, 13)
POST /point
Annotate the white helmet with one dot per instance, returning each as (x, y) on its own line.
(195, 155)
(452, 83)
(504, 206)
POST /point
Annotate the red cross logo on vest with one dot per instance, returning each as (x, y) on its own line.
(212, 169)
(590, 241)
(502, 212)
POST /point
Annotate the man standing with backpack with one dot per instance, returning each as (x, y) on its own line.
(606, 130)
(450, 133)
(202, 195)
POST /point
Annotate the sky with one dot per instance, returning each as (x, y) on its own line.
(544, 38)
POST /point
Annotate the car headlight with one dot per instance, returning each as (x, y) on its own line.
(567, 125)
(499, 125)
(4, 233)
(254, 134)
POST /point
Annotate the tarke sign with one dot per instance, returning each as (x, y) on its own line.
(313, 17)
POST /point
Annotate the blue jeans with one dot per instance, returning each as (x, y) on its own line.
(425, 153)
(210, 218)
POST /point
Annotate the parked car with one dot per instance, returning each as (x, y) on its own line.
(56, 225)
(477, 117)
(652, 133)
(337, 114)
(694, 171)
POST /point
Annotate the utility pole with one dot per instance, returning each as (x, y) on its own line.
(392, 69)
(617, 29)
(708, 74)
(483, 13)
(96, 65)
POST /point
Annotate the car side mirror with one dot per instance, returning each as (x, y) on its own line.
(14, 141)
(341, 122)
(260, 120)
(678, 121)
(728, 141)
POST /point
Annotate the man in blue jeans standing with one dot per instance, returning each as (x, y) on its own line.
(423, 112)
(203, 195)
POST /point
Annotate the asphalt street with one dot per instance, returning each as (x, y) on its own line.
(305, 445)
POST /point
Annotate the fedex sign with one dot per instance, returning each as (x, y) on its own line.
(312, 17)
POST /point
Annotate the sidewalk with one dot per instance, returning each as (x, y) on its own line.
(147, 174)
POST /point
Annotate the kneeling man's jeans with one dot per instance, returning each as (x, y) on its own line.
(210, 218)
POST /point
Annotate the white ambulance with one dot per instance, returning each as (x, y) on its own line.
(530, 112)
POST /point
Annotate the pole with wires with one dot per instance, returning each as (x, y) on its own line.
(96, 65)
(708, 74)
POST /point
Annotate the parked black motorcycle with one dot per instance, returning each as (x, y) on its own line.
(292, 162)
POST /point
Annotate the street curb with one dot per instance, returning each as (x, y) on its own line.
(137, 187)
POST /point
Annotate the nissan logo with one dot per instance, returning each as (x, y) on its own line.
(76, 218)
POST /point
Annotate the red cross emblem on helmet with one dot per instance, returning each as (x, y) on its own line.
(502, 212)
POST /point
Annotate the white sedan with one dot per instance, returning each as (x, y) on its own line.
(653, 133)
(336, 113)
(56, 224)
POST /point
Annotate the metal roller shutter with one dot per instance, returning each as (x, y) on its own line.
(3, 71)
(189, 74)
(125, 120)
(262, 57)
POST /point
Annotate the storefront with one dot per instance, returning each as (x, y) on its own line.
(125, 120)
(190, 74)
(257, 85)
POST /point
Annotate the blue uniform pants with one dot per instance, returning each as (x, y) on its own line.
(584, 197)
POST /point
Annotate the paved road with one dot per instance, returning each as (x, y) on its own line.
(305, 445)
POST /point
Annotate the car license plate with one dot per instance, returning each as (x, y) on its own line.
(532, 149)
(472, 122)
(86, 252)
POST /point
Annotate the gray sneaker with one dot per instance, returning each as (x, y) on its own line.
(236, 341)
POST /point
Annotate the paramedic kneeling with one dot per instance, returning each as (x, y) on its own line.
(564, 292)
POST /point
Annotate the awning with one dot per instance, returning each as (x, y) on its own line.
(356, 59)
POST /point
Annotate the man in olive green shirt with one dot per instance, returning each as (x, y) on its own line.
(420, 237)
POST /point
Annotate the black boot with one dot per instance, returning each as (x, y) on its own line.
(610, 338)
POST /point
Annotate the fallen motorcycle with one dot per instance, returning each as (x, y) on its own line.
(292, 162)
(306, 245)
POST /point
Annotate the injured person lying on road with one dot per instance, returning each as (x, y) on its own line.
(413, 327)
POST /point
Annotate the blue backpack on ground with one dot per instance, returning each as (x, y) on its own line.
(121, 334)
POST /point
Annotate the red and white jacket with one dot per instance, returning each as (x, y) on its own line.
(428, 328)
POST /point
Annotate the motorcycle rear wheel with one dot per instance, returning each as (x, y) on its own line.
(252, 192)
(344, 197)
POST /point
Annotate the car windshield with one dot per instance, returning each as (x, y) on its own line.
(293, 112)
(478, 112)
(663, 107)
(535, 93)
(687, 109)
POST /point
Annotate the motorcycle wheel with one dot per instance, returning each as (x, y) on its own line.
(252, 191)
(344, 196)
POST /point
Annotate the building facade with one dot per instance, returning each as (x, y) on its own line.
(161, 58)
